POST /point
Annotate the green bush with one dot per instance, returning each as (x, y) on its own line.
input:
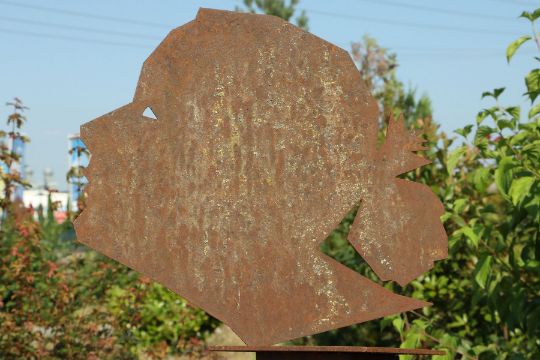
(60, 300)
(486, 295)
(66, 304)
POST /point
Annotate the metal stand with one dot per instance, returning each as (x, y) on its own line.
(325, 352)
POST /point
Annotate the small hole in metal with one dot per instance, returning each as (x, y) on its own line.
(149, 113)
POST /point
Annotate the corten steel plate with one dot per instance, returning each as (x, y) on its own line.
(326, 352)
(265, 138)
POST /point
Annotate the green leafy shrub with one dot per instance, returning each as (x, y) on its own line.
(64, 305)
(486, 295)
(154, 315)
(60, 300)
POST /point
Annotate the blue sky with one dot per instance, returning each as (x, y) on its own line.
(69, 67)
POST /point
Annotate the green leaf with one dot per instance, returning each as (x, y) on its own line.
(398, 324)
(502, 124)
(514, 111)
(531, 16)
(494, 112)
(504, 174)
(531, 151)
(459, 205)
(412, 340)
(448, 343)
(482, 271)
(526, 15)
(454, 157)
(446, 216)
(481, 116)
(481, 179)
(520, 188)
(532, 80)
(495, 94)
(464, 131)
(469, 232)
(459, 220)
(512, 48)
(483, 132)
(519, 138)
(535, 110)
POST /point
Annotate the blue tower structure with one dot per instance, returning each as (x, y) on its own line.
(78, 159)
(17, 146)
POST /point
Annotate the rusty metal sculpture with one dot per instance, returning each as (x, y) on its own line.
(264, 139)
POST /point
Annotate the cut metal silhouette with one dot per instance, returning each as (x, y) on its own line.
(265, 137)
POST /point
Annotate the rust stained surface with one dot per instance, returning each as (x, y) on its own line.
(327, 349)
(265, 138)
(326, 352)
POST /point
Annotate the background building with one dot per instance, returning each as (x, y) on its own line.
(36, 198)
